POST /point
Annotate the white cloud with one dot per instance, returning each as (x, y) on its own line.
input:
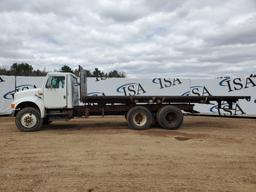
(143, 38)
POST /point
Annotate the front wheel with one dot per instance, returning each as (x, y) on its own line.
(28, 119)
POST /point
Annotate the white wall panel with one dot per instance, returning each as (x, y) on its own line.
(156, 86)
(7, 89)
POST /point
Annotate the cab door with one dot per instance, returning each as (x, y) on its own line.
(55, 92)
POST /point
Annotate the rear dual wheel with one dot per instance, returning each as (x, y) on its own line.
(139, 118)
(169, 117)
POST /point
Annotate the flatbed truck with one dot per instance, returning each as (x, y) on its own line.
(64, 96)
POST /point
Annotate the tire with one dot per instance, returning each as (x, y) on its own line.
(139, 118)
(28, 119)
(170, 117)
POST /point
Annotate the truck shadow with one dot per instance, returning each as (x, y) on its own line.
(87, 126)
(194, 124)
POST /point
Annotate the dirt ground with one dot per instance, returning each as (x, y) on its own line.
(102, 154)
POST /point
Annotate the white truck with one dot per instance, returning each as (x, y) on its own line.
(64, 96)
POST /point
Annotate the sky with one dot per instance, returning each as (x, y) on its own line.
(143, 38)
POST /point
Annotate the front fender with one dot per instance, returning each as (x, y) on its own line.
(33, 100)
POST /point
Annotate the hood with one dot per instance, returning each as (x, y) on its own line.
(26, 93)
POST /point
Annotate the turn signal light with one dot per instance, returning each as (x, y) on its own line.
(13, 106)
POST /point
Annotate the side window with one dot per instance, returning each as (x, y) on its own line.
(56, 82)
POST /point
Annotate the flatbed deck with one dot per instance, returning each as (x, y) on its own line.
(120, 105)
(159, 99)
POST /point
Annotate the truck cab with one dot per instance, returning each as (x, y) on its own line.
(60, 91)
(58, 95)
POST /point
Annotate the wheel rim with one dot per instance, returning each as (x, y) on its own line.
(170, 117)
(140, 119)
(28, 120)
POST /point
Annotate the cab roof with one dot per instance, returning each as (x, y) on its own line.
(60, 73)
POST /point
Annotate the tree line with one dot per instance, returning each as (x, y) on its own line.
(95, 73)
(24, 69)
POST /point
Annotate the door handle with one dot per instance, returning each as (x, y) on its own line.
(64, 97)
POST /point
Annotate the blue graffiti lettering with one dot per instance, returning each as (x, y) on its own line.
(223, 82)
(96, 94)
(186, 93)
(198, 91)
(225, 110)
(131, 89)
(9, 95)
(166, 82)
(237, 84)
